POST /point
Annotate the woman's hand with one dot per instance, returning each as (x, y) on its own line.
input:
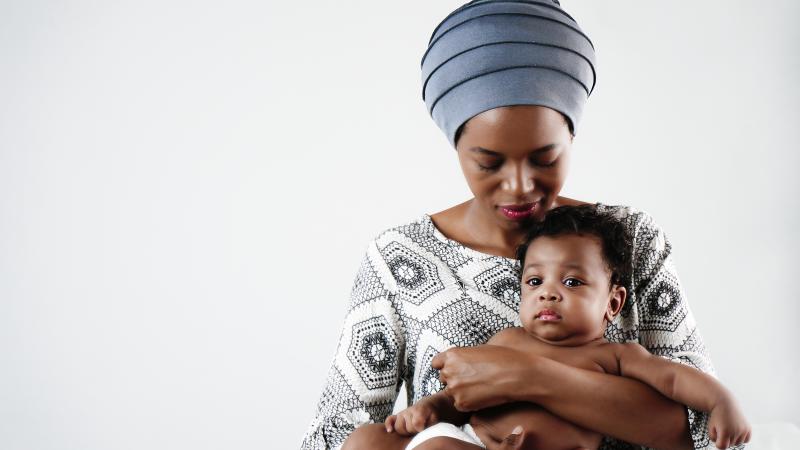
(484, 376)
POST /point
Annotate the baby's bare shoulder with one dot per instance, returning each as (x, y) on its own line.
(618, 349)
(608, 354)
(618, 352)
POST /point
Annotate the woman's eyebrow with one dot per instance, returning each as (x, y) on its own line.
(486, 151)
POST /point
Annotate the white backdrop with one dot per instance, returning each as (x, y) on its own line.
(186, 190)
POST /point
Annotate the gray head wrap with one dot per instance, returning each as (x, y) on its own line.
(492, 53)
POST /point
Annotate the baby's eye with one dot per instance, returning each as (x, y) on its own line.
(534, 281)
(572, 282)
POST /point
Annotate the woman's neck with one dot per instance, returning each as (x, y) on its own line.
(469, 225)
(475, 227)
(485, 229)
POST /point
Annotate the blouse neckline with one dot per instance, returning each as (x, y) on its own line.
(467, 250)
(458, 245)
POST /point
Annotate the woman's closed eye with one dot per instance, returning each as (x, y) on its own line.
(489, 166)
(545, 163)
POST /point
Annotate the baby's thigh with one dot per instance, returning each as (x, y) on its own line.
(373, 436)
(542, 428)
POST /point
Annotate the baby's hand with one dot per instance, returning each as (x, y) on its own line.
(727, 425)
(415, 418)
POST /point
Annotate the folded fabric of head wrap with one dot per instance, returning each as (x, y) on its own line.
(492, 53)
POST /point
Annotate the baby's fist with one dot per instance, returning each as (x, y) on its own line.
(727, 426)
(413, 419)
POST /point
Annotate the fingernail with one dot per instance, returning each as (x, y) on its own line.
(517, 430)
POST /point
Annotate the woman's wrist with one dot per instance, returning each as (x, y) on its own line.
(523, 384)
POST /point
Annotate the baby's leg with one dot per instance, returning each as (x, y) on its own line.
(374, 436)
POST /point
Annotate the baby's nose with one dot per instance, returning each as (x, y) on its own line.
(550, 296)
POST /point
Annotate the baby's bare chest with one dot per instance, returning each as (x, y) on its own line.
(598, 356)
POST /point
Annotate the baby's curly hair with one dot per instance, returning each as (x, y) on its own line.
(587, 220)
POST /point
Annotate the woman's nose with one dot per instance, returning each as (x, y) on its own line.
(519, 179)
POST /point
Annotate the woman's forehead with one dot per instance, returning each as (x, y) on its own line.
(529, 126)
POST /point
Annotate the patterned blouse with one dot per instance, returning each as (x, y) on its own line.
(418, 293)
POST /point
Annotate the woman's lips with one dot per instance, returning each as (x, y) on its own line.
(518, 212)
(548, 315)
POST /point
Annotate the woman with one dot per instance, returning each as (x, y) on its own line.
(506, 81)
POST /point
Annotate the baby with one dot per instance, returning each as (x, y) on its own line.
(575, 266)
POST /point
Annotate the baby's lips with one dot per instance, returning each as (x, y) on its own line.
(548, 313)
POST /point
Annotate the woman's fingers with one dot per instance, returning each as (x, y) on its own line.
(438, 361)
(483, 376)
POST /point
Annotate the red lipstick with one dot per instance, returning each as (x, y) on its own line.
(518, 212)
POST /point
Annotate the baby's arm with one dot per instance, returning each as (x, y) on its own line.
(684, 384)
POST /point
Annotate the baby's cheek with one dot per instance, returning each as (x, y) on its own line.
(526, 314)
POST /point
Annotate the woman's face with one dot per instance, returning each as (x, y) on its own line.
(515, 159)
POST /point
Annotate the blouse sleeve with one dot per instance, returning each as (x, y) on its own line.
(666, 325)
(366, 373)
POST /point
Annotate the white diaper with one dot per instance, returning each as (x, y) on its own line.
(442, 429)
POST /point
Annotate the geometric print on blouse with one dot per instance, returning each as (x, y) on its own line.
(416, 277)
(373, 352)
(418, 293)
(502, 283)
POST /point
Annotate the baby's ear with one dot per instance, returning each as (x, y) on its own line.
(616, 300)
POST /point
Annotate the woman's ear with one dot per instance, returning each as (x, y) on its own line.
(616, 300)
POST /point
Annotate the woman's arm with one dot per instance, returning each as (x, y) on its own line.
(365, 374)
(626, 409)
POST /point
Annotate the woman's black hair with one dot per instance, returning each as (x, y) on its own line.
(587, 220)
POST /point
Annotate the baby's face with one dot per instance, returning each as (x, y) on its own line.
(565, 293)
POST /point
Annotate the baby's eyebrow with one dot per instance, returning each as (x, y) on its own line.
(567, 265)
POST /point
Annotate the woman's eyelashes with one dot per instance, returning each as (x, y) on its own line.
(493, 167)
(489, 167)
